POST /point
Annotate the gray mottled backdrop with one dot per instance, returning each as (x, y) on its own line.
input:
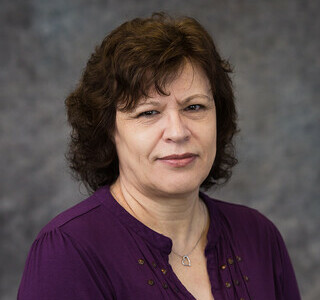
(274, 47)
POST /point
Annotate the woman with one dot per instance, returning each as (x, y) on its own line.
(153, 120)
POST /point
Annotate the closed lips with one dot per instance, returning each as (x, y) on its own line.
(177, 156)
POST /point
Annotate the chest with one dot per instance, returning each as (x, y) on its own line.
(195, 278)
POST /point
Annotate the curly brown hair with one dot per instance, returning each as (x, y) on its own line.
(140, 55)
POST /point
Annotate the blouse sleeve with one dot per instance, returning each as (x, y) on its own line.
(286, 281)
(57, 267)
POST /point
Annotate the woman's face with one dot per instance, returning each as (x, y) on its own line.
(160, 126)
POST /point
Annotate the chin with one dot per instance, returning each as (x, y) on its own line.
(178, 186)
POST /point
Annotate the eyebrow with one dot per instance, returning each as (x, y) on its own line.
(185, 101)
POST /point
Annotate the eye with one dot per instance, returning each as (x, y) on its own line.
(195, 107)
(148, 113)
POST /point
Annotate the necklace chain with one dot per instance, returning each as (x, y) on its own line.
(185, 260)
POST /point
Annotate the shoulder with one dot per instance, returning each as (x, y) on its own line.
(62, 262)
(78, 217)
(243, 214)
(237, 213)
(242, 220)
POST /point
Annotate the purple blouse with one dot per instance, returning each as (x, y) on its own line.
(97, 250)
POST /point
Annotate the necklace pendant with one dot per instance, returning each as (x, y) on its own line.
(186, 261)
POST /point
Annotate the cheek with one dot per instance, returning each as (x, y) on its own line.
(209, 139)
(208, 130)
(147, 144)
(133, 142)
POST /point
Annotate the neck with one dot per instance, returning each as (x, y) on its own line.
(183, 219)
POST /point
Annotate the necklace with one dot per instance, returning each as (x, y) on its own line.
(185, 260)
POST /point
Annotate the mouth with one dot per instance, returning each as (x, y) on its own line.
(178, 156)
(177, 160)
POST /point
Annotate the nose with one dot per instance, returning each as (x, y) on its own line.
(176, 128)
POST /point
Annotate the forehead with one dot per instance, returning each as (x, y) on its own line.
(191, 77)
(189, 81)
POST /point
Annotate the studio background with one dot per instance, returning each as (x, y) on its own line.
(274, 48)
